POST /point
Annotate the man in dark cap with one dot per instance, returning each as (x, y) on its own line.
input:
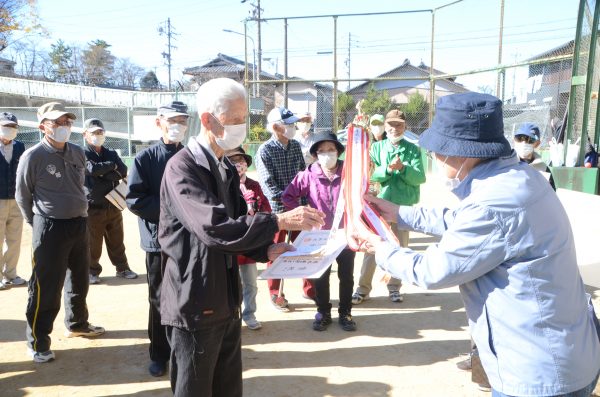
(143, 199)
(104, 169)
(528, 312)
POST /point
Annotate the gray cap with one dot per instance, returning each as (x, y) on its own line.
(173, 109)
(8, 119)
(92, 125)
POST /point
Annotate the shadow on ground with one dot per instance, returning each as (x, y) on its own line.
(296, 386)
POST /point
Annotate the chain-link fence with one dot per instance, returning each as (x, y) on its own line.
(128, 130)
(519, 52)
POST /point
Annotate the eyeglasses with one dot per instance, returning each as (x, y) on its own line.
(525, 138)
(64, 123)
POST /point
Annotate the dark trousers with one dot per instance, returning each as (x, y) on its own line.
(307, 284)
(207, 362)
(345, 261)
(60, 257)
(159, 346)
(106, 224)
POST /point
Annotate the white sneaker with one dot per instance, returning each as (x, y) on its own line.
(40, 357)
(13, 281)
(90, 331)
(396, 296)
(94, 279)
(253, 324)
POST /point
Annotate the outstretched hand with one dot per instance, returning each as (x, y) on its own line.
(301, 218)
(275, 250)
(387, 210)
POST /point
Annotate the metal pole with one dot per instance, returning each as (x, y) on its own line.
(500, 73)
(169, 47)
(431, 79)
(335, 81)
(574, 79)
(285, 66)
(128, 132)
(257, 78)
(588, 85)
(246, 75)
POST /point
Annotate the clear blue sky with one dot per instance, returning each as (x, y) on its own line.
(466, 33)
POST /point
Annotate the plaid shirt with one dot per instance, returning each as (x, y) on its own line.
(277, 165)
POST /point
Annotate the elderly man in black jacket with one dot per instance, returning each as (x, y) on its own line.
(143, 199)
(203, 227)
(104, 171)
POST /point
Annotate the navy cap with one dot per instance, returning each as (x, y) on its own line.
(529, 129)
(8, 119)
(173, 109)
(467, 125)
(282, 114)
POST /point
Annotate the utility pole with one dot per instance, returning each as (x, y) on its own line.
(255, 15)
(348, 59)
(168, 31)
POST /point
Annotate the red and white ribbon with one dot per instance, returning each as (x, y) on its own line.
(360, 217)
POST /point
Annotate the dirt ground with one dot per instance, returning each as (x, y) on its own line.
(399, 349)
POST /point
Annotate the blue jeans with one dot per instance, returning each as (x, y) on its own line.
(248, 274)
(585, 392)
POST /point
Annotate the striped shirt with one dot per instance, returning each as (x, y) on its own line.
(277, 164)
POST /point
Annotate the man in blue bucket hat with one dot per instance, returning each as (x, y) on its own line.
(528, 312)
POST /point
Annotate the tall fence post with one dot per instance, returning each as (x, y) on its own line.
(335, 80)
(129, 132)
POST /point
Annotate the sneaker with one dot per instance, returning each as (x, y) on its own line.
(486, 387)
(280, 303)
(157, 368)
(128, 274)
(40, 357)
(253, 324)
(89, 332)
(322, 321)
(94, 279)
(359, 298)
(347, 323)
(464, 365)
(14, 281)
(3, 286)
(396, 296)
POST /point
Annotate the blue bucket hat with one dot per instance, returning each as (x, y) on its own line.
(529, 129)
(467, 125)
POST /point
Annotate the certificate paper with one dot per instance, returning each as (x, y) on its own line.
(315, 252)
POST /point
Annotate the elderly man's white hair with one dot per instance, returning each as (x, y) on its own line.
(215, 95)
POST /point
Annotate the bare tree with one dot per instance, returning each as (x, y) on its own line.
(127, 73)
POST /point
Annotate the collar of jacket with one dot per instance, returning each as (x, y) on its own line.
(200, 158)
(170, 147)
(484, 170)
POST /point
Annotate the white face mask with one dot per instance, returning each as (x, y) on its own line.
(60, 134)
(303, 127)
(524, 150)
(176, 132)
(395, 139)
(9, 133)
(449, 183)
(233, 136)
(290, 131)
(327, 160)
(377, 130)
(97, 140)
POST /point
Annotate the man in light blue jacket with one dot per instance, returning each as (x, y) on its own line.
(509, 246)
